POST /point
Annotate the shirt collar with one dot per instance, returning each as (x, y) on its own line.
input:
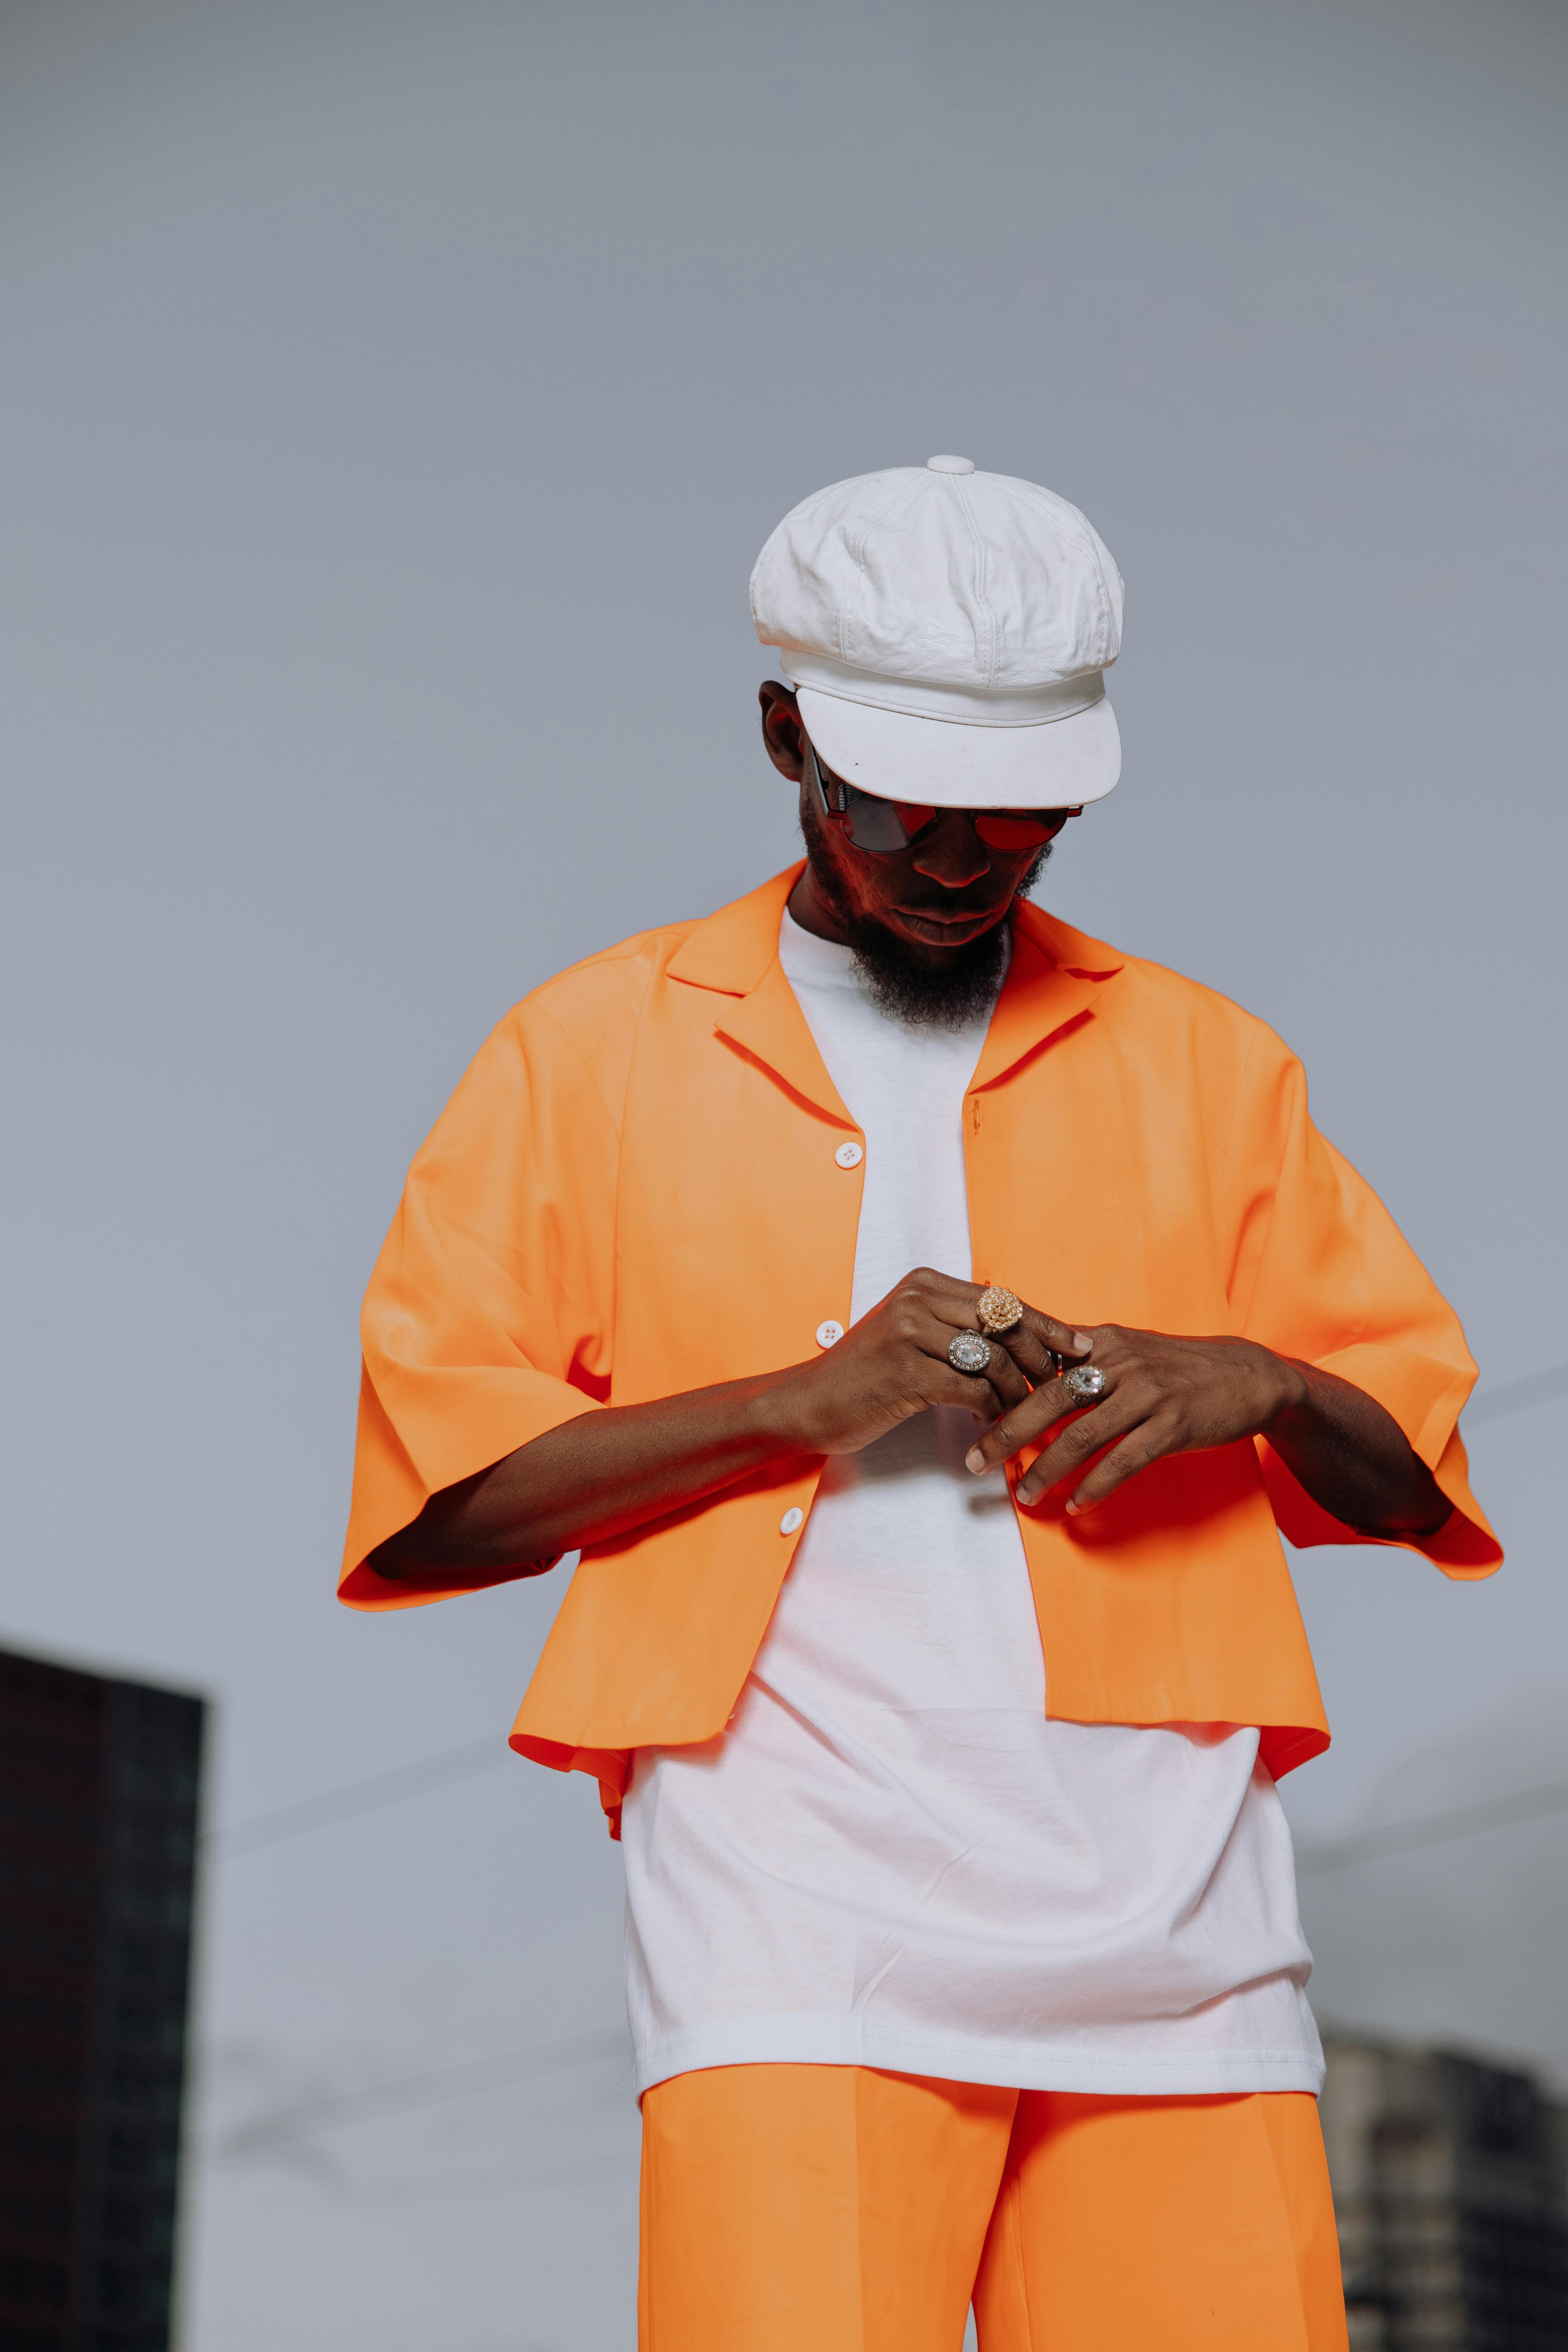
(1055, 976)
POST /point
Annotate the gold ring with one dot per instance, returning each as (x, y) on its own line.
(998, 1310)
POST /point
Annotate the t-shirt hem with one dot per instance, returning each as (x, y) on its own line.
(1022, 2066)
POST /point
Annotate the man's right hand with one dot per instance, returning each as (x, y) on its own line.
(893, 1363)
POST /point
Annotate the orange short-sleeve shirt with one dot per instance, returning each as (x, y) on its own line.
(636, 1189)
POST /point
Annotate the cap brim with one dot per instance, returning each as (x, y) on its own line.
(903, 756)
(948, 765)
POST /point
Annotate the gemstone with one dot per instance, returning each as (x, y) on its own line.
(969, 1352)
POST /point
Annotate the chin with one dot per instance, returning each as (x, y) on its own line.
(927, 986)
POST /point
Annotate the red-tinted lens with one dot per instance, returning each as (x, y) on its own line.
(884, 827)
(1027, 829)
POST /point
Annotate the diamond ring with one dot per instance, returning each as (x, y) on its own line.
(1084, 1383)
(998, 1310)
(968, 1352)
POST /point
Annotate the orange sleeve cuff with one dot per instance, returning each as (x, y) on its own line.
(476, 1419)
(1423, 1397)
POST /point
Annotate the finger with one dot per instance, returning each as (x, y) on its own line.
(1034, 1342)
(1001, 1375)
(935, 1335)
(975, 1395)
(948, 1293)
(951, 1303)
(1022, 1426)
(1038, 1343)
(1145, 1444)
(1061, 1338)
(955, 1301)
(1035, 1360)
(925, 1291)
(1010, 1384)
(1066, 1455)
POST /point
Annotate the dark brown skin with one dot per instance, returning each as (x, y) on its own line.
(611, 1470)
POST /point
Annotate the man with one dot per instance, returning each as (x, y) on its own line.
(921, 1317)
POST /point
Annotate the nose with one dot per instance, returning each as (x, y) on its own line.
(953, 854)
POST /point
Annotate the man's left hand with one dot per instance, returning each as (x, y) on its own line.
(1162, 1395)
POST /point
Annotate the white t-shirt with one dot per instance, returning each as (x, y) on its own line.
(892, 1858)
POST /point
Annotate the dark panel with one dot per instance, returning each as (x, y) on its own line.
(53, 1730)
(1512, 2222)
(99, 1798)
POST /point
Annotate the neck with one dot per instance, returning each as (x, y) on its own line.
(808, 910)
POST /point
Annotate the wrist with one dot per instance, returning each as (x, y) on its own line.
(778, 1412)
(1292, 1393)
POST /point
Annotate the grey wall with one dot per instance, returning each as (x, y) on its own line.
(395, 397)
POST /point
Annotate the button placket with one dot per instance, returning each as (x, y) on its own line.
(849, 1154)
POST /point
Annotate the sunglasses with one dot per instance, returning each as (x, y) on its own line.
(883, 828)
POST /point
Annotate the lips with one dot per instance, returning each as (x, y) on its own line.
(955, 928)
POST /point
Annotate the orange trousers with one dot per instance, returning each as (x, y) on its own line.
(833, 2209)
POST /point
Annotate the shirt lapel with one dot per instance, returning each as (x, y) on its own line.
(1053, 980)
(736, 954)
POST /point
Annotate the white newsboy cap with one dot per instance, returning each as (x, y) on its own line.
(947, 633)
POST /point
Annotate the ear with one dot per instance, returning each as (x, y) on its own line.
(782, 730)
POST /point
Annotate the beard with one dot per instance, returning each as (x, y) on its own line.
(925, 988)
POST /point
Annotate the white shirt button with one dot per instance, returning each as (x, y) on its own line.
(849, 1155)
(829, 1334)
(794, 1518)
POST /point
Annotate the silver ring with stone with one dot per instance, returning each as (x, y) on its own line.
(1084, 1383)
(968, 1352)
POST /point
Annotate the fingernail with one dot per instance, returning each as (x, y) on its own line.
(1024, 1491)
(1072, 1510)
(975, 1460)
(1082, 1341)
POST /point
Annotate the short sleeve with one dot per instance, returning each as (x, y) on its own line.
(488, 1318)
(1321, 1272)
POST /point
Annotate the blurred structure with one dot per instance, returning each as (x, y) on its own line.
(1451, 2189)
(99, 1787)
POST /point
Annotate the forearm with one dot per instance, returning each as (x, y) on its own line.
(603, 1473)
(595, 1478)
(1353, 1457)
